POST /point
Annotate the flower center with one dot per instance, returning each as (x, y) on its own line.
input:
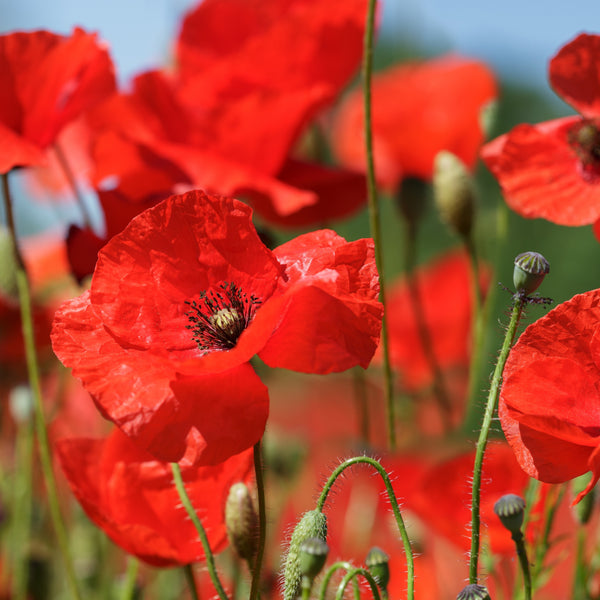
(219, 317)
(584, 138)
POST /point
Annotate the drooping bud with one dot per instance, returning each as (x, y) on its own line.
(241, 521)
(313, 524)
(454, 193)
(474, 592)
(378, 563)
(511, 510)
(530, 270)
(582, 511)
(313, 554)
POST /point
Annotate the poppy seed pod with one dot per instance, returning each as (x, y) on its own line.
(530, 270)
(454, 192)
(313, 554)
(474, 592)
(510, 510)
(378, 564)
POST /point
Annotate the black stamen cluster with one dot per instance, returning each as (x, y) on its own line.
(219, 317)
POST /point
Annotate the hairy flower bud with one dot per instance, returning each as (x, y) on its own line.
(454, 193)
(313, 524)
(377, 562)
(241, 521)
(530, 270)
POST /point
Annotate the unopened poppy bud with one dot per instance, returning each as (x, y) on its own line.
(582, 511)
(474, 592)
(454, 192)
(313, 524)
(511, 510)
(378, 563)
(530, 270)
(241, 521)
(313, 554)
(8, 266)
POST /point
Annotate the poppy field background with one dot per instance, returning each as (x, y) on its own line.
(176, 328)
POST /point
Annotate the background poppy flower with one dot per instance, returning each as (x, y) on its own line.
(551, 170)
(419, 109)
(550, 398)
(48, 80)
(131, 496)
(185, 296)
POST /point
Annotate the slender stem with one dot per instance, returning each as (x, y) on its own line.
(524, 562)
(492, 401)
(439, 387)
(410, 569)
(129, 585)
(208, 555)
(262, 524)
(34, 381)
(352, 574)
(374, 219)
(189, 577)
(70, 176)
(329, 574)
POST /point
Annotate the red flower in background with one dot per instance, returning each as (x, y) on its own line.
(419, 109)
(552, 170)
(185, 296)
(47, 81)
(131, 496)
(550, 398)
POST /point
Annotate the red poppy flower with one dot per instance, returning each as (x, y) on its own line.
(185, 296)
(551, 170)
(445, 293)
(418, 110)
(131, 496)
(550, 398)
(47, 80)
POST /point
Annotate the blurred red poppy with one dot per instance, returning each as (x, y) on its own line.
(552, 170)
(419, 109)
(185, 296)
(47, 81)
(131, 496)
(550, 401)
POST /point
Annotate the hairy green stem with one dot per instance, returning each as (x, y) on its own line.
(410, 569)
(492, 401)
(262, 524)
(350, 576)
(210, 560)
(524, 562)
(33, 371)
(374, 219)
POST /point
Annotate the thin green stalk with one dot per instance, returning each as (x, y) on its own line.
(329, 574)
(524, 562)
(129, 585)
(374, 219)
(210, 560)
(350, 576)
(70, 176)
(189, 577)
(262, 524)
(410, 569)
(34, 381)
(492, 401)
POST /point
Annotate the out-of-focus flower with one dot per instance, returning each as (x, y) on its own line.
(549, 401)
(418, 110)
(552, 170)
(47, 81)
(131, 496)
(185, 296)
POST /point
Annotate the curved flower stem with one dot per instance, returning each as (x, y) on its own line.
(189, 577)
(210, 560)
(329, 574)
(262, 524)
(34, 381)
(351, 575)
(128, 590)
(439, 387)
(492, 401)
(374, 219)
(70, 176)
(395, 509)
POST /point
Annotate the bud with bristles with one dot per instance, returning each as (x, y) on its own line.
(454, 193)
(241, 521)
(530, 270)
(313, 524)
